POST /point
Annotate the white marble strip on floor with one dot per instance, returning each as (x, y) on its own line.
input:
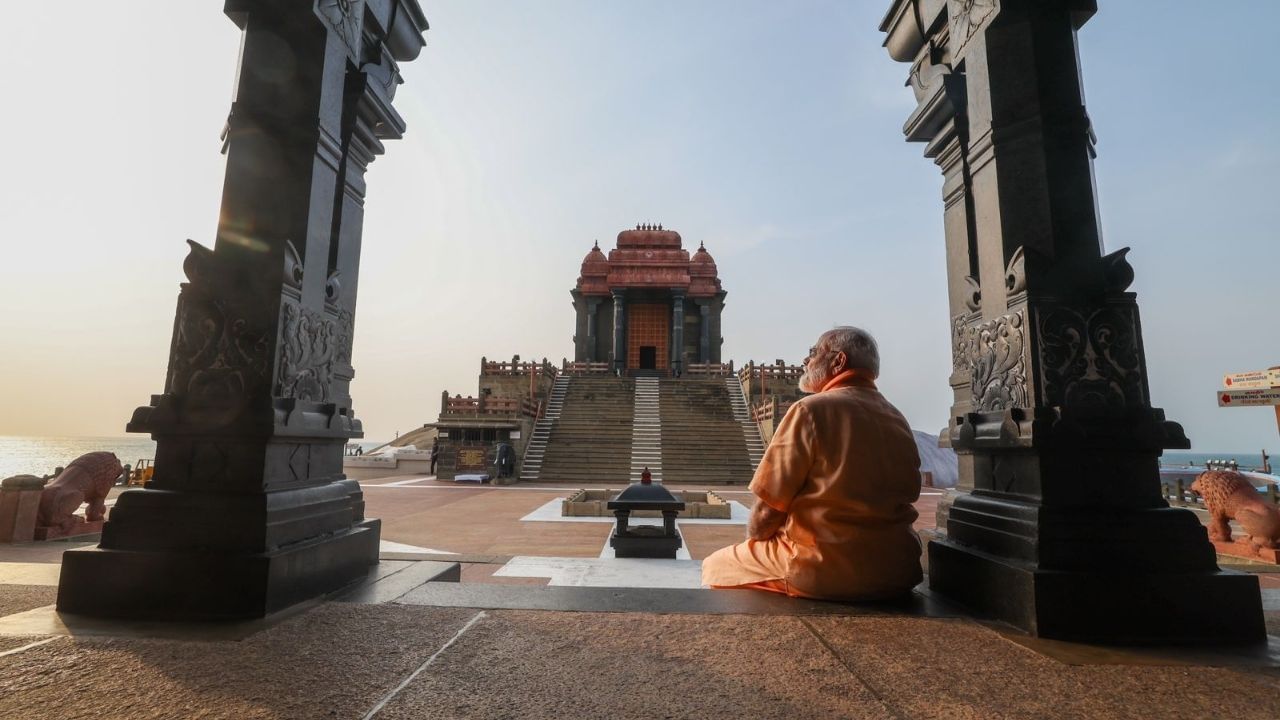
(607, 572)
(550, 512)
(387, 546)
(410, 481)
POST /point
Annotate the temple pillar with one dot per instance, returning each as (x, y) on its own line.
(619, 331)
(704, 330)
(1065, 533)
(677, 331)
(249, 511)
(593, 307)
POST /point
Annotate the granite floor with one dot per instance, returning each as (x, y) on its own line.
(501, 646)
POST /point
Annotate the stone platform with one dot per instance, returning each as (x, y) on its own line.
(403, 644)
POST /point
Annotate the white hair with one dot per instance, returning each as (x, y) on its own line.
(857, 345)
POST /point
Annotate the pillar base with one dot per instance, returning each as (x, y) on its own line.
(1117, 604)
(186, 585)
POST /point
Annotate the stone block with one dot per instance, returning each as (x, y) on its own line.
(19, 505)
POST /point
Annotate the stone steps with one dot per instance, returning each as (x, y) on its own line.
(646, 430)
(592, 438)
(702, 439)
(535, 451)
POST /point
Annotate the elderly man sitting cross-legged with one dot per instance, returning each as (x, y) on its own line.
(834, 491)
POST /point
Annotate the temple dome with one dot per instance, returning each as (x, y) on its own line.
(594, 277)
(595, 263)
(703, 259)
(649, 237)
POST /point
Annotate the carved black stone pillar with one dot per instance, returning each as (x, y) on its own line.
(619, 331)
(704, 331)
(249, 510)
(677, 331)
(1065, 532)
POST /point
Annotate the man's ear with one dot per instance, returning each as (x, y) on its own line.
(842, 362)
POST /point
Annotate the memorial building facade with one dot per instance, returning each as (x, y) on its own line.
(648, 307)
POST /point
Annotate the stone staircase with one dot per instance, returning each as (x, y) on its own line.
(534, 452)
(590, 440)
(646, 430)
(703, 438)
(742, 413)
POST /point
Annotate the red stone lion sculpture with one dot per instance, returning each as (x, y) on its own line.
(86, 480)
(1229, 495)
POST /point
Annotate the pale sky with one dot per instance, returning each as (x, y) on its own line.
(771, 131)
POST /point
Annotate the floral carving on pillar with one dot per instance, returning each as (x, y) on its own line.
(994, 354)
(1090, 358)
(219, 350)
(313, 343)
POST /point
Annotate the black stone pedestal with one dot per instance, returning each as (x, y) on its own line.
(1119, 605)
(168, 585)
(644, 541)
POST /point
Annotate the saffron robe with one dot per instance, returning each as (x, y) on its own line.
(844, 467)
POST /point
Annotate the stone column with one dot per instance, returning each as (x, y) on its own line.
(249, 510)
(593, 307)
(715, 337)
(619, 331)
(704, 331)
(677, 331)
(1065, 533)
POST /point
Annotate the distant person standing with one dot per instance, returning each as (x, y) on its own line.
(435, 454)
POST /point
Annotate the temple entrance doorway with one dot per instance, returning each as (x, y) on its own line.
(648, 328)
(648, 357)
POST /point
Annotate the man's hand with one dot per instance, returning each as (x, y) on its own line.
(764, 522)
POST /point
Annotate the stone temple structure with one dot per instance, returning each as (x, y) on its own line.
(648, 308)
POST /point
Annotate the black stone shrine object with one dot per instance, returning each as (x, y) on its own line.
(249, 511)
(645, 541)
(1060, 527)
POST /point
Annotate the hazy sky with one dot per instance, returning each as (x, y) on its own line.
(770, 130)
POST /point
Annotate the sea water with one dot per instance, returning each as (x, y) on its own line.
(21, 455)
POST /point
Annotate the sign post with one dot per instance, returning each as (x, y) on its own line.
(1252, 389)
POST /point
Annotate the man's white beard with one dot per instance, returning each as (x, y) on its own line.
(812, 379)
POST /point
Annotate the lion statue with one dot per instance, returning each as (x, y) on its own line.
(86, 480)
(1229, 495)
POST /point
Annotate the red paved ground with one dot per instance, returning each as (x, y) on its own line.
(486, 520)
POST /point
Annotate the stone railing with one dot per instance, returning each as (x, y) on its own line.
(1179, 493)
(709, 369)
(483, 405)
(586, 368)
(770, 410)
(778, 370)
(532, 408)
(516, 367)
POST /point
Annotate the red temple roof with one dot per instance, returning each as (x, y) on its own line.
(649, 257)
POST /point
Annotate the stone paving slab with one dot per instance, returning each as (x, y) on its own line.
(334, 661)
(18, 597)
(951, 669)
(655, 600)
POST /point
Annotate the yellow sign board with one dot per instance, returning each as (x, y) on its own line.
(1268, 378)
